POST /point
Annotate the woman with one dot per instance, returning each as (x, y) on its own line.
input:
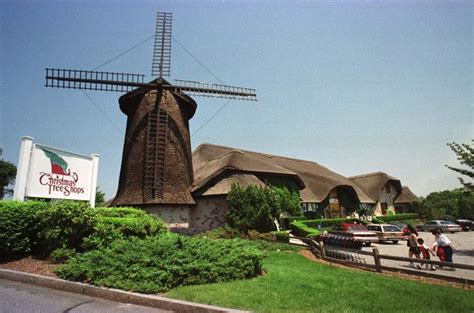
(443, 246)
(413, 244)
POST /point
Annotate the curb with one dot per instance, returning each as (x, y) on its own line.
(114, 294)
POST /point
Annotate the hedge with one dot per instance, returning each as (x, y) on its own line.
(281, 236)
(18, 226)
(398, 217)
(300, 229)
(117, 223)
(40, 228)
(327, 222)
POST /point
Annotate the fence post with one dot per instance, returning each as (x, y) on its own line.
(321, 246)
(378, 265)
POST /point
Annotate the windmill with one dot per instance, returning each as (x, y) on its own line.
(156, 168)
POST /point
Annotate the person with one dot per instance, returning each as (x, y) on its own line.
(443, 246)
(425, 252)
(413, 244)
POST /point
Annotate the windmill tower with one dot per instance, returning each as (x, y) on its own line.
(156, 172)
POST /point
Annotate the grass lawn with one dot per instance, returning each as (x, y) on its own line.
(295, 284)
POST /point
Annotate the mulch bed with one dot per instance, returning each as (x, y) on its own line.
(433, 281)
(30, 265)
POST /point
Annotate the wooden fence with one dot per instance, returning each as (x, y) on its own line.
(354, 258)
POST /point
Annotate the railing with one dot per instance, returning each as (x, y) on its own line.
(354, 258)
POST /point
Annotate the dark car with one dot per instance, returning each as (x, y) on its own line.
(466, 225)
(356, 231)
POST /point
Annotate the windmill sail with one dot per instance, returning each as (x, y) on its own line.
(214, 90)
(93, 80)
(161, 65)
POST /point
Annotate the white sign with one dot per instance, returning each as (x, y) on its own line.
(45, 172)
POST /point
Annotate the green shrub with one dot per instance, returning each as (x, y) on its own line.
(64, 224)
(300, 229)
(118, 223)
(251, 208)
(61, 255)
(281, 236)
(225, 232)
(102, 236)
(156, 264)
(327, 222)
(18, 226)
(398, 217)
(131, 222)
(376, 220)
(256, 208)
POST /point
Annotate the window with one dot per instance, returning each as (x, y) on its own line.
(392, 228)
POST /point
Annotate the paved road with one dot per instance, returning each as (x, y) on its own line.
(17, 297)
(463, 242)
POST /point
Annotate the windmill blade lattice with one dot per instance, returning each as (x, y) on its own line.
(161, 65)
(214, 90)
(93, 80)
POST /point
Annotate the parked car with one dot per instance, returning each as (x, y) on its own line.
(466, 225)
(356, 231)
(387, 232)
(445, 226)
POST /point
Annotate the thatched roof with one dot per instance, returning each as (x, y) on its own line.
(223, 186)
(210, 161)
(372, 183)
(406, 196)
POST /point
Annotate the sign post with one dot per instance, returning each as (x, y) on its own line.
(22, 171)
(46, 172)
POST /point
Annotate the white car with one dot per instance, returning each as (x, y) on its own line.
(445, 226)
(387, 232)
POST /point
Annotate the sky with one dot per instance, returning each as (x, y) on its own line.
(358, 87)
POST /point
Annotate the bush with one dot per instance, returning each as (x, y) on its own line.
(156, 264)
(64, 224)
(41, 227)
(18, 226)
(256, 208)
(281, 236)
(376, 220)
(327, 222)
(61, 255)
(398, 217)
(118, 223)
(251, 208)
(225, 232)
(300, 229)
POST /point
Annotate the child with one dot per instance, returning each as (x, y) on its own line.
(425, 252)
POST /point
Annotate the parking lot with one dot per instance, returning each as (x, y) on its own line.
(464, 253)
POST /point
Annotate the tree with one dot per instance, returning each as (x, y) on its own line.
(99, 197)
(465, 156)
(256, 208)
(7, 177)
(457, 203)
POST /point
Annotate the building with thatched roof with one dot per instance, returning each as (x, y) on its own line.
(322, 191)
(404, 200)
(382, 189)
